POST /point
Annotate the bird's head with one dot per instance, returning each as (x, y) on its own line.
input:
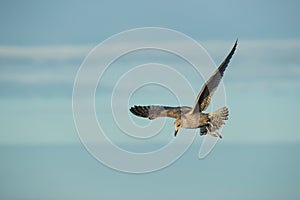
(177, 125)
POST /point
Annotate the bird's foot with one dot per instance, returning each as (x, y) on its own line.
(215, 134)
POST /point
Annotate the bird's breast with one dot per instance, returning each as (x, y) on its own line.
(192, 120)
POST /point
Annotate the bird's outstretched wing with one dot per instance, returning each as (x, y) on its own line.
(153, 112)
(208, 89)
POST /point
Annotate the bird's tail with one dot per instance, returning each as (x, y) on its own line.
(217, 118)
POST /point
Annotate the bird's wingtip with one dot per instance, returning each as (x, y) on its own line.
(132, 108)
(236, 42)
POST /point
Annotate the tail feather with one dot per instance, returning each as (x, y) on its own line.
(218, 117)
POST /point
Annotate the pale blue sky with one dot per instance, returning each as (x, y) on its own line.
(89, 22)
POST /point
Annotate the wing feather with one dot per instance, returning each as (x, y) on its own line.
(208, 89)
(154, 111)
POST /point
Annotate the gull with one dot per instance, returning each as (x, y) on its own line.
(193, 118)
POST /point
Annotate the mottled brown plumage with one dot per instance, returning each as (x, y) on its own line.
(187, 117)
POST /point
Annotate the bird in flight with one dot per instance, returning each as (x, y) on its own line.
(192, 118)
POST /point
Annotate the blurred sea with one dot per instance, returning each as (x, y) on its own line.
(231, 171)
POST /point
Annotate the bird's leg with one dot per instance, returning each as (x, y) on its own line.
(209, 123)
(207, 129)
(214, 133)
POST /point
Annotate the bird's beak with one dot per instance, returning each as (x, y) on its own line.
(175, 133)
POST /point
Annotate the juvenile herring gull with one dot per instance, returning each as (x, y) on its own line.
(192, 118)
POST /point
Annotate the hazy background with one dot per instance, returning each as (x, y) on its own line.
(42, 45)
